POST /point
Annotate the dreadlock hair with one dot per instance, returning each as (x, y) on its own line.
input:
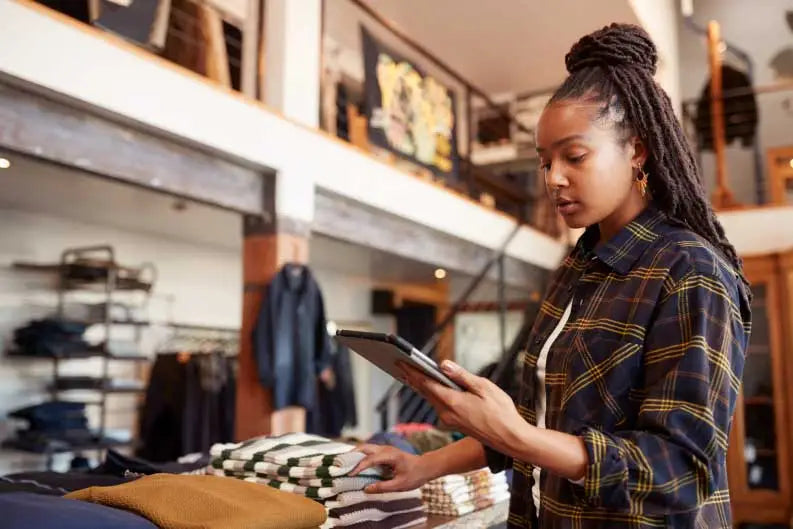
(614, 66)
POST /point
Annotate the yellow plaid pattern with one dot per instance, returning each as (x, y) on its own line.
(646, 371)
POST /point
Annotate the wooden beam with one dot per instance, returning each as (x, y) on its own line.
(345, 219)
(722, 196)
(266, 247)
(70, 134)
(250, 49)
(214, 41)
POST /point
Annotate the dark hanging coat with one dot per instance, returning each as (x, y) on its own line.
(291, 343)
(336, 407)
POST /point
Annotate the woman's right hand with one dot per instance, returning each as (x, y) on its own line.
(405, 471)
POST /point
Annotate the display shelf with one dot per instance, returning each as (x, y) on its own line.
(79, 355)
(65, 383)
(760, 400)
(100, 445)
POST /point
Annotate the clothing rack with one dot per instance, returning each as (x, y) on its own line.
(200, 339)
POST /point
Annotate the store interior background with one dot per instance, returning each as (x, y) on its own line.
(198, 248)
(45, 208)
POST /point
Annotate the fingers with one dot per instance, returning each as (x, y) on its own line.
(383, 457)
(391, 485)
(457, 374)
(369, 449)
(434, 391)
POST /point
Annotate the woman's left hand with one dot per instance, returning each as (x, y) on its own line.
(483, 411)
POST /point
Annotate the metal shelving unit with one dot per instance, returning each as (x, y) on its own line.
(95, 269)
(109, 278)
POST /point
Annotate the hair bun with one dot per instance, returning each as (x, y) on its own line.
(617, 46)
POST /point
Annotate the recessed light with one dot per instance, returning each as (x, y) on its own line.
(440, 273)
(5, 163)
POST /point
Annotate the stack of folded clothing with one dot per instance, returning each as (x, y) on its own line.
(52, 426)
(51, 338)
(392, 510)
(460, 494)
(190, 502)
(317, 468)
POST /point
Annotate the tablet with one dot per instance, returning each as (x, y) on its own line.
(386, 350)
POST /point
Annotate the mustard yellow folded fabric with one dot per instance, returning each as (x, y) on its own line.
(208, 502)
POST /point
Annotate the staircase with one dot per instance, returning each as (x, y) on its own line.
(400, 404)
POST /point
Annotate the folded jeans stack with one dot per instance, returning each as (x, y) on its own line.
(50, 337)
(53, 426)
(317, 468)
(460, 494)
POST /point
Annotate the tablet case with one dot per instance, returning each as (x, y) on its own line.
(386, 350)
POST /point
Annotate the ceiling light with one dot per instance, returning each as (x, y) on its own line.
(5, 163)
(440, 273)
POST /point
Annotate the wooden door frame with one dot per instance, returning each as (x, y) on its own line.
(765, 506)
(778, 175)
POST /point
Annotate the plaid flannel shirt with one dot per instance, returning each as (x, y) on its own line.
(646, 372)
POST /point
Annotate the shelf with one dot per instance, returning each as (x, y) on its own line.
(759, 401)
(80, 355)
(130, 323)
(100, 283)
(95, 384)
(74, 448)
(108, 391)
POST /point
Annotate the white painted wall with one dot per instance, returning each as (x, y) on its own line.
(759, 28)
(759, 231)
(292, 33)
(83, 64)
(203, 282)
(477, 339)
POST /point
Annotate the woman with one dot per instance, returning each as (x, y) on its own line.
(636, 357)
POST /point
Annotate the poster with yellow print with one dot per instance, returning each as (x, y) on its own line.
(409, 112)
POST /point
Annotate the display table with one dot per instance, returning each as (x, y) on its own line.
(484, 519)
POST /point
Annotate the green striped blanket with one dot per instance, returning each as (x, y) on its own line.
(317, 489)
(293, 449)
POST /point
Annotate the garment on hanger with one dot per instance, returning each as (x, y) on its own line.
(740, 112)
(190, 404)
(291, 344)
(336, 405)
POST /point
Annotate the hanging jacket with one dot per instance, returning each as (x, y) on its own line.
(291, 343)
(336, 406)
(740, 112)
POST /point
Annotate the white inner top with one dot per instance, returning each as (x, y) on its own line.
(539, 398)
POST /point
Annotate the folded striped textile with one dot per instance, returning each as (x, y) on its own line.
(383, 507)
(461, 509)
(292, 449)
(356, 497)
(476, 478)
(361, 510)
(401, 520)
(374, 515)
(462, 496)
(316, 489)
(344, 464)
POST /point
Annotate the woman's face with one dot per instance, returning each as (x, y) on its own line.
(589, 170)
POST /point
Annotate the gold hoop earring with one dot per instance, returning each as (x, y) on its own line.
(641, 181)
